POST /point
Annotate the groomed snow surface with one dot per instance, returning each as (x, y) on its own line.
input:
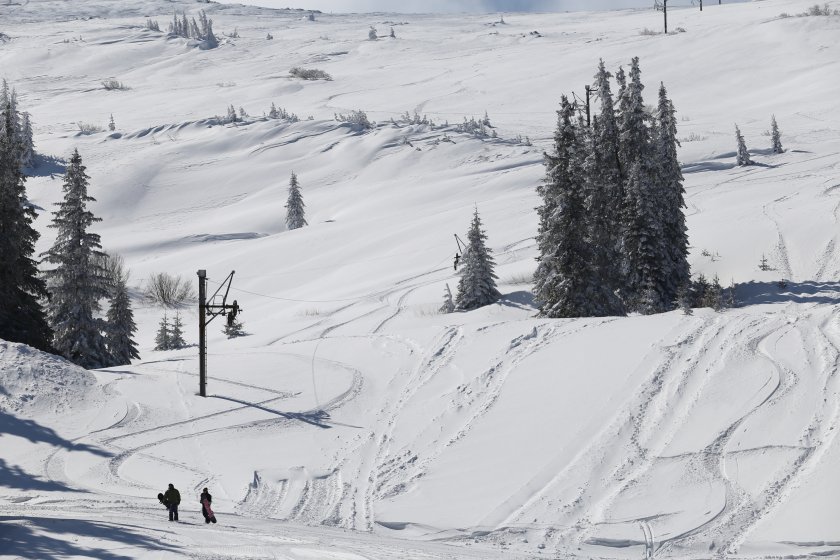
(356, 422)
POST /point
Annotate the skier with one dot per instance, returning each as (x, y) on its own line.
(172, 498)
(206, 510)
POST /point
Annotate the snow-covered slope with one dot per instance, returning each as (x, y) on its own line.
(353, 404)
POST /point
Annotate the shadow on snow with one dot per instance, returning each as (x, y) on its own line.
(315, 418)
(756, 293)
(38, 537)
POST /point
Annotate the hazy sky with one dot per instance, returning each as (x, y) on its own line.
(425, 6)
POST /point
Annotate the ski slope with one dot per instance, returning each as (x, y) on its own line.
(357, 422)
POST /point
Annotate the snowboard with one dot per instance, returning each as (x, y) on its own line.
(211, 517)
(162, 500)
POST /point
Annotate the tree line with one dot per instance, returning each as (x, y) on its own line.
(57, 311)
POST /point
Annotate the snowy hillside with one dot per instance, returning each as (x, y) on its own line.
(355, 420)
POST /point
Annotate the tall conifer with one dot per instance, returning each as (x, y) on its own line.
(676, 271)
(78, 281)
(21, 317)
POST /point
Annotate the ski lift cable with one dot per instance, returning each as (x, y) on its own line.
(292, 299)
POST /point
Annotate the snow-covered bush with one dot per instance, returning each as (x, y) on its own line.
(309, 74)
(167, 290)
(359, 118)
(824, 10)
(281, 113)
(201, 31)
(112, 84)
(372, 36)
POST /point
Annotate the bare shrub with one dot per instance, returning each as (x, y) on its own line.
(167, 290)
(309, 74)
(647, 31)
(88, 128)
(111, 84)
(693, 137)
(113, 268)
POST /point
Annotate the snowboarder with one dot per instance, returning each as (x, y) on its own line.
(457, 258)
(171, 499)
(206, 499)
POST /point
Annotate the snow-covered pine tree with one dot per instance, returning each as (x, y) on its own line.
(684, 299)
(743, 156)
(605, 197)
(272, 113)
(78, 281)
(162, 340)
(294, 205)
(176, 333)
(231, 114)
(112, 126)
(21, 317)
(120, 327)
(477, 286)
(776, 135)
(643, 244)
(562, 276)
(645, 256)
(714, 295)
(242, 114)
(372, 36)
(392, 34)
(448, 305)
(676, 270)
(699, 288)
(206, 29)
(27, 156)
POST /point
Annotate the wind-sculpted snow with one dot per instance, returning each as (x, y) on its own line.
(357, 421)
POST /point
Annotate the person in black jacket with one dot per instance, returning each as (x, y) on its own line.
(205, 495)
(172, 498)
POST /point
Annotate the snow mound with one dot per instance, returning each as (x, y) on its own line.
(32, 381)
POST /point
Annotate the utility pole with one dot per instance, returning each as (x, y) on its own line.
(212, 309)
(665, 11)
(202, 332)
(701, 5)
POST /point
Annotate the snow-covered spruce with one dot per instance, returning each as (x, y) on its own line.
(120, 328)
(676, 272)
(605, 194)
(448, 304)
(162, 338)
(477, 286)
(176, 333)
(565, 277)
(78, 282)
(21, 317)
(295, 208)
(743, 156)
(776, 136)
